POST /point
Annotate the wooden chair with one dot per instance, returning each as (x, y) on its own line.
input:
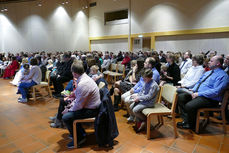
(87, 120)
(42, 85)
(167, 94)
(120, 72)
(219, 109)
(113, 68)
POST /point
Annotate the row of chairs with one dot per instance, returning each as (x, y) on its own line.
(115, 71)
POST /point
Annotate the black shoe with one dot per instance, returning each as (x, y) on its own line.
(57, 96)
(116, 109)
(126, 115)
(180, 124)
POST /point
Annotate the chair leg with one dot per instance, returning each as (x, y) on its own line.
(162, 121)
(197, 122)
(50, 92)
(158, 119)
(75, 135)
(174, 126)
(224, 122)
(34, 93)
(148, 127)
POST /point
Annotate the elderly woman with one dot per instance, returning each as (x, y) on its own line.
(32, 79)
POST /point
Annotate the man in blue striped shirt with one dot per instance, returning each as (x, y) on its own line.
(207, 92)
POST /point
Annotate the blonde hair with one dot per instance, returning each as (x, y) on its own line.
(24, 60)
(133, 63)
(95, 68)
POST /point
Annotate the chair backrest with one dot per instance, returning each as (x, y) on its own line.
(225, 99)
(121, 68)
(113, 67)
(47, 76)
(169, 94)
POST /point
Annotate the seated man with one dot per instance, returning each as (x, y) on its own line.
(85, 105)
(186, 64)
(206, 93)
(63, 75)
(144, 99)
(106, 63)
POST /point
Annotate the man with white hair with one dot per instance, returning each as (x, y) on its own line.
(106, 62)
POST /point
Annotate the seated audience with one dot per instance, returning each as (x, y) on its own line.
(10, 69)
(85, 105)
(144, 99)
(173, 71)
(207, 92)
(194, 73)
(32, 79)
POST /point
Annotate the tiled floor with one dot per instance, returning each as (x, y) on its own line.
(25, 128)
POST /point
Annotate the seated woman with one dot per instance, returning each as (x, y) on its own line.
(130, 80)
(20, 73)
(173, 72)
(144, 99)
(32, 79)
(10, 69)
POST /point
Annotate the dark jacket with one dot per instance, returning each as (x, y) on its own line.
(64, 69)
(105, 123)
(173, 71)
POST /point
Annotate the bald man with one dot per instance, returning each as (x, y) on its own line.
(207, 93)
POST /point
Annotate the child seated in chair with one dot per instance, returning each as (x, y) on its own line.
(144, 99)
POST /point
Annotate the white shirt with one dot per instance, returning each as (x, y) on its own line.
(106, 63)
(185, 65)
(34, 74)
(192, 76)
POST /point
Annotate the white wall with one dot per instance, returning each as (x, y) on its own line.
(113, 45)
(52, 27)
(195, 43)
(164, 15)
(96, 18)
(159, 15)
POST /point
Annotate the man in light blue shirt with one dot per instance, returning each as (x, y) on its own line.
(207, 93)
(150, 63)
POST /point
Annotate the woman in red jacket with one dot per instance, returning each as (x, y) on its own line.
(10, 70)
